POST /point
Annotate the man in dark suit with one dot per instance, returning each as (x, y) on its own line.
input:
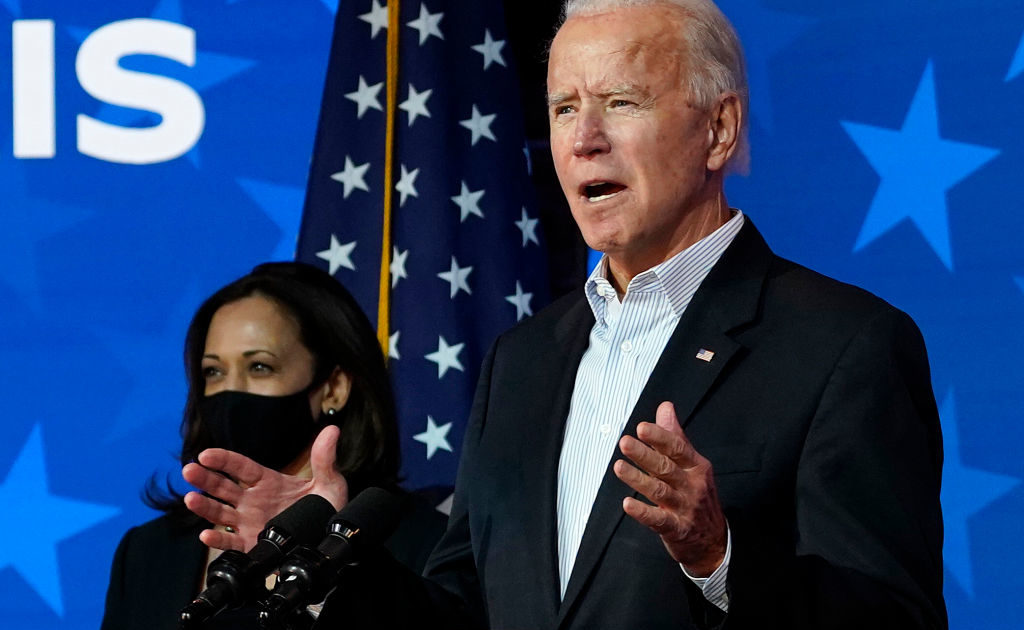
(790, 477)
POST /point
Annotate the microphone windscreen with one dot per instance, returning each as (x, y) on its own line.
(304, 520)
(374, 512)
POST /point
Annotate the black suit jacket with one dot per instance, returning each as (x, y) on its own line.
(817, 415)
(158, 567)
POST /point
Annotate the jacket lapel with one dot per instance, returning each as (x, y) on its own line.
(727, 299)
(550, 390)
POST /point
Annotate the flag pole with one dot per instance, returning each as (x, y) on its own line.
(384, 293)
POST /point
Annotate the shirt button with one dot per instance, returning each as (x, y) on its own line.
(627, 346)
(605, 429)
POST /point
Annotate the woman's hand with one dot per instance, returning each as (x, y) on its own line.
(253, 494)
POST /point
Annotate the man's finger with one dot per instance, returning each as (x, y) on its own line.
(646, 458)
(212, 483)
(665, 417)
(667, 437)
(657, 519)
(656, 490)
(233, 464)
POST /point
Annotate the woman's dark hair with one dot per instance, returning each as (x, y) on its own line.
(337, 333)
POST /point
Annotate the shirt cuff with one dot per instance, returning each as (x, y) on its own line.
(713, 586)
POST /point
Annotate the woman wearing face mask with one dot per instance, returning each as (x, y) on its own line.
(273, 360)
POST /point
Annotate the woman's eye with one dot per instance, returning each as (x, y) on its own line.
(260, 368)
(209, 371)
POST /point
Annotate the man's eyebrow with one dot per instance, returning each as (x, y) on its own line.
(627, 89)
(557, 98)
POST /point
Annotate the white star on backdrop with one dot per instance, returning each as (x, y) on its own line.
(427, 24)
(521, 301)
(377, 18)
(435, 437)
(457, 277)
(446, 357)
(338, 255)
(490, 49)
(352, 177)
(468, 202)
(407, 185)
(393, 345)
(415, 104)
(479, 126)
(365, 97)
(398, 265)
(528, 227)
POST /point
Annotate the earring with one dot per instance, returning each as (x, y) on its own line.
(331, 411)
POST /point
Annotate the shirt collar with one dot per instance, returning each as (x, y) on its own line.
(677, 278)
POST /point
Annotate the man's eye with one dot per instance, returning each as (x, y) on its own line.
(563, 109)
(621, 103)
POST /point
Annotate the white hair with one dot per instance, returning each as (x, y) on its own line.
(715, 54)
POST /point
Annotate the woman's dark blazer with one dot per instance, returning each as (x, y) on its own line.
(158, 567)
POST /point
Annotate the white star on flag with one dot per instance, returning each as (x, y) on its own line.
(479, 126)
(446, 357)
(427, 24)
(415, 104)
(407, 184)
(377, 18)
(468, 202)
(338, 255)
(521, 301)
(365, 97)
(398, 265)
(352, 177)
(435, 437)
(457, 277)
(528, 227)
(393, 345)
(490, 49)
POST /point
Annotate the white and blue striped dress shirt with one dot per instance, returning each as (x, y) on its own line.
(626, 341)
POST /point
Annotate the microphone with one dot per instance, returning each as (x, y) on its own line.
(236, 577)
(308, 575)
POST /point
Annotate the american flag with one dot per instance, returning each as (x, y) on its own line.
(466, 253)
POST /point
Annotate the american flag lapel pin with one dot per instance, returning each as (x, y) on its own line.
(705, 355)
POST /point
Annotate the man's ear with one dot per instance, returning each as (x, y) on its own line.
(726, 122)
(337, 389)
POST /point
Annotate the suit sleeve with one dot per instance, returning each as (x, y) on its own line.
(868, 526)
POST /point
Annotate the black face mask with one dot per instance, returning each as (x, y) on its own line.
(271, 430)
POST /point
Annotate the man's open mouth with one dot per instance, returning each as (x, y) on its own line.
(599, 191)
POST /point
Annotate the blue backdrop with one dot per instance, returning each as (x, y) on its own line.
(886, 152)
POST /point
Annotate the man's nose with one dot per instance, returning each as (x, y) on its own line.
(591, 138)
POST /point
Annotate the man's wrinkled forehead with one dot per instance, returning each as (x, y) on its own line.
(611, 66)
